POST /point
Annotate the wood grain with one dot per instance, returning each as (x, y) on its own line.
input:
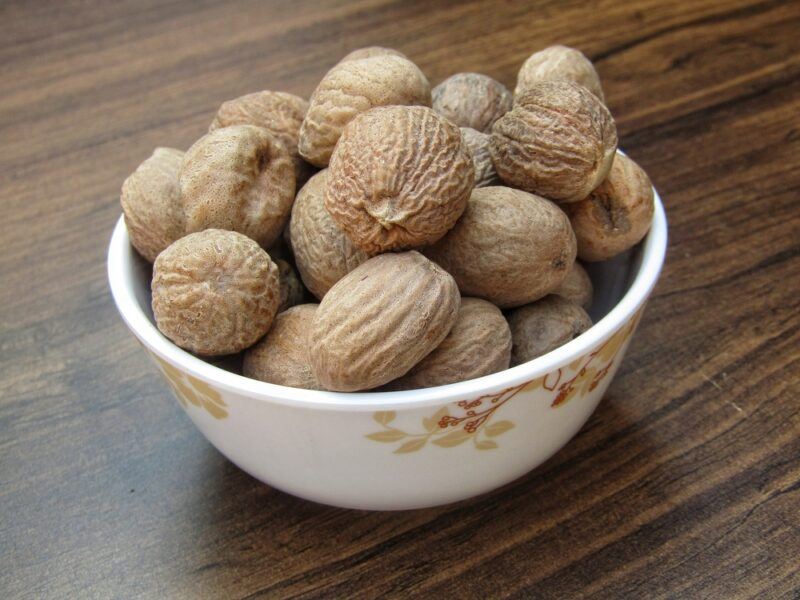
(686, 481)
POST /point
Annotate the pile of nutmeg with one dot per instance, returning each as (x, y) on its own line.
(437, 230)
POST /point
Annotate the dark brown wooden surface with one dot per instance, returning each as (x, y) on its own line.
(683, 484)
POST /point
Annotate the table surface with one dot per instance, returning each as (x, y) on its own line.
(684, 483)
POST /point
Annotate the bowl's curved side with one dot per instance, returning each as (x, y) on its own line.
(404, 449)
(401, 459)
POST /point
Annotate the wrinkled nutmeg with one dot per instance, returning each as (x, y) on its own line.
(558, 141)
(577, 287)
(151, 201)
(353, 87)
(472, 100)
(509, 247)
(323, 253)
(478, 146)
(370, 51)
(214, 292)
(558, 63)
(279, 113)
(281, 357)
(292, 290)
(478, 344)
(538, 328)
(239, 178)
(616, 215)
(380, 320)
(399, 178)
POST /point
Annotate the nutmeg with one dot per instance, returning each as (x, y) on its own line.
(558, 141)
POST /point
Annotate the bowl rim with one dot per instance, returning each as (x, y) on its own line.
(120, 257)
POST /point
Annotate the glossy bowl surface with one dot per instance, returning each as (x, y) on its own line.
(401, 450)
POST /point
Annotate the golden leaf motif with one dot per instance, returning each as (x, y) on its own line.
(586, 379)
(384, 417)
(472, 419)
(452, 439)
(575, 364)
(412, 445)
(208, 392)
(390, 435)
(188, 393)
(432, 423)
(214, 410)
(532, 385)
(190, 390)
(170, 371)
(498, 428)
(611, 347)
(486, 445)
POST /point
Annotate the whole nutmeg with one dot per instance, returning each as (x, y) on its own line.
(323, 253)
(471, 100)
(151, 202)
(616, 215)
(558, 141)
(215, 292)
(370, 51)
(292, 290)
(281, 357)
(509, 247)
(538, 328)
(478, 146)
(478, 344)
(239, 178)
(280, 113)
(558, 63)
(353, 87)
(577, 287)
(399, 178)
(380, 320)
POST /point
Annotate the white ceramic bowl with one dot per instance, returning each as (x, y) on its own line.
(401, 450)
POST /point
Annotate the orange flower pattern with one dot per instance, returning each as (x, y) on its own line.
(473, 419)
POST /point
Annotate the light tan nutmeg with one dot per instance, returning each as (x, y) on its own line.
(509, 247)
(558, 141)
(616, 215)
(478, 344)
(292, 290)
(239, 178)
(281, 357)
(370, 51)
(558, 63)
(545, 325)
(151, 203)
(478, 146)
(399, 178)
(280, 113)
(323, 253)
(215, 292)
(577, 287)
(380, 320)
(471, 100)
(353, 87)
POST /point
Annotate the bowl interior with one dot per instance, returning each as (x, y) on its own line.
(621, 287)
(611, 280)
